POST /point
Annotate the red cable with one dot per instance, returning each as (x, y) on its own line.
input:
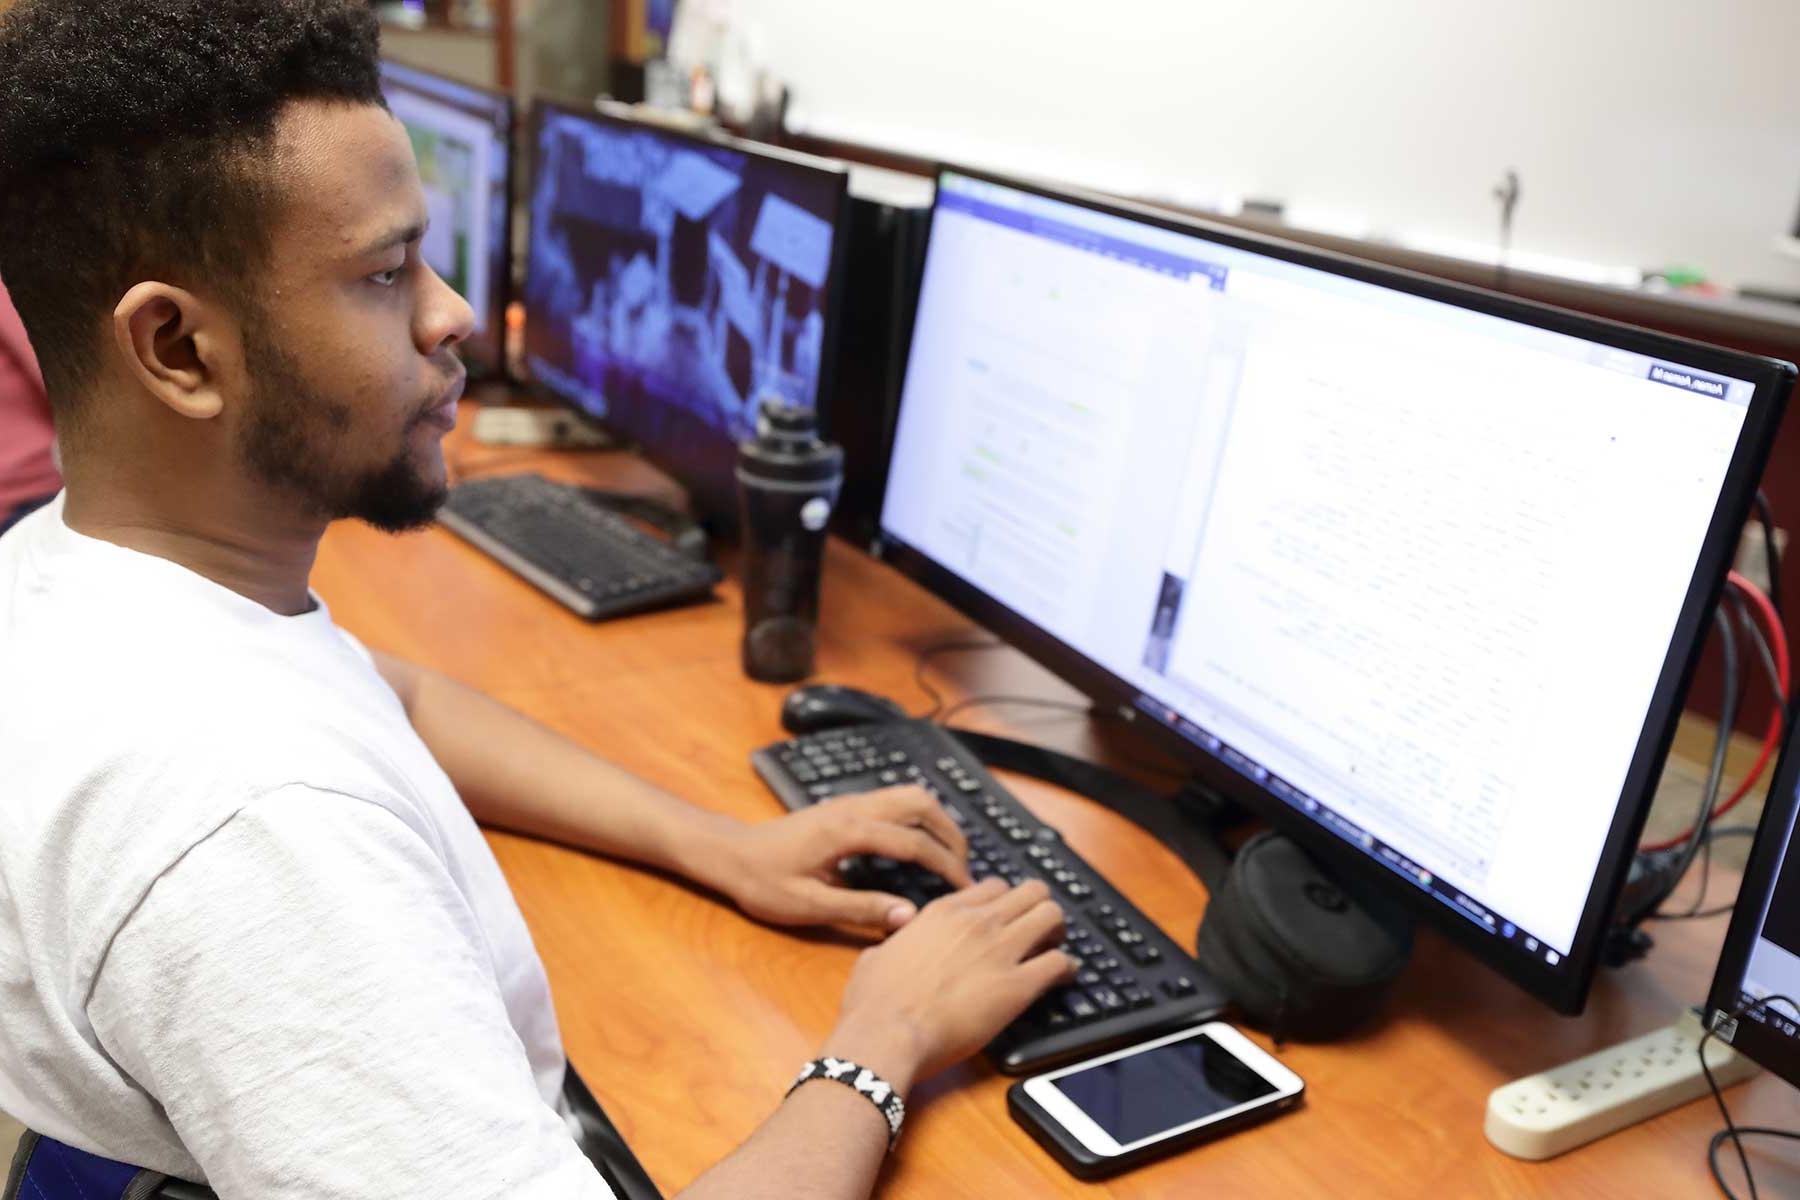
(1778, 645)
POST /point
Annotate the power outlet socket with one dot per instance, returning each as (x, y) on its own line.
(1752, 560)
(1543, 1115)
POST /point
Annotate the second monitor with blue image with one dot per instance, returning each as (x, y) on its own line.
(673, 281)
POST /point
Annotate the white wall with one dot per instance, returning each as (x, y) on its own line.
(1647, 132)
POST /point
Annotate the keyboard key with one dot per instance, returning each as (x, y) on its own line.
(1079, 1007)
(1145, 955)
(1107, 999)
(1181, 985)
(1121, 979)
(1137, 997)
(1087, 978)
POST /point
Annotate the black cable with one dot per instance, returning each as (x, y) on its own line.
(945, 647)
(1740, 611)
(1709, 795)
(1718, 1139)
(1758, 641)
(1694, 912)
(1070, 706)
(1168, 770)
(1731, 1130)
(1765, 516)
(1754, 632)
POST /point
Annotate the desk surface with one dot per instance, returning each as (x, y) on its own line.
(688, 1019)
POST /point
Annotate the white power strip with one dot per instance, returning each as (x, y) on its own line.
(1543, 1115)
(498, 425)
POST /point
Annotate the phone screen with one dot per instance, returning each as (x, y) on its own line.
(1139, 1095)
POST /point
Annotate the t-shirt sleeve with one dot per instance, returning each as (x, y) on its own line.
(309, 998)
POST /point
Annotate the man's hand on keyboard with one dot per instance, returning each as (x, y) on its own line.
(940, 989)
(785, 871)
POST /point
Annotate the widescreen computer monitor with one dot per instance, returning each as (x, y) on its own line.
(1761, 956)
(674, 281)
(462, 138)
(1416, 572)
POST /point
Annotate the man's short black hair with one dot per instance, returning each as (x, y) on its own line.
(136, 142)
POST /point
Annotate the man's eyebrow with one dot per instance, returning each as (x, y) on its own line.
(395, 237)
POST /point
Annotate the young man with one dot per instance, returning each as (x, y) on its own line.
(249, 932)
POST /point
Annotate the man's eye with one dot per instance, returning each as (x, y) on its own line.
(386, 278)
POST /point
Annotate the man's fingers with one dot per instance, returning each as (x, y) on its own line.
(1044, 971)
(846, 906)
(1037, 928)
(911, 805)
(982, 893)
(908, 843)
(1012, 903)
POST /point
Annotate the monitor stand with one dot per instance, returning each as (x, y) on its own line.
(684, 532)
(1300, 952)
(1189, 823)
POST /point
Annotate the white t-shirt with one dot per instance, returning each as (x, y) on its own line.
(248, 932)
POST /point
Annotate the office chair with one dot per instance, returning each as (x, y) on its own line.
(80, 1176)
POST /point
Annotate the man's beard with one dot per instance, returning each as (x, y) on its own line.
(293, 436)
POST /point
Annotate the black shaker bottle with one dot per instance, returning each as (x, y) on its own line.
(788, 481)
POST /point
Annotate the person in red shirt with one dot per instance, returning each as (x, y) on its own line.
(28, 474)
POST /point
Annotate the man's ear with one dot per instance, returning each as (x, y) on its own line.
(172, 341)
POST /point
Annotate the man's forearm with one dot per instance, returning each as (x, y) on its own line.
(825, 1142)
(515, 774)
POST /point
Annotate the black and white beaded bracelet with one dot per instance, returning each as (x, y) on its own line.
(864, 1082)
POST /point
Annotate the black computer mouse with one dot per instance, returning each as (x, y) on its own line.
(833, 706)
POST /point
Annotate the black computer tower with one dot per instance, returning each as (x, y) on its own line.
(883, 261)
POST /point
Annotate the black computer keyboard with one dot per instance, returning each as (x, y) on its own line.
(1134, 981)
(594, 561)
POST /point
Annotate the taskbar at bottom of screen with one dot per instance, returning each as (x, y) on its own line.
(1464, 905)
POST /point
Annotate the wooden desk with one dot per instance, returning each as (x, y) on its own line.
(688, 1019)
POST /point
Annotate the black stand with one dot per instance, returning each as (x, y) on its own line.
(1189, 824)
(1299, 952)
(683, 532)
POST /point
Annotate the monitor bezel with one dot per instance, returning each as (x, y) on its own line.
(485, 354)
(1778, 1052)
(719, 514)
(1564, 987)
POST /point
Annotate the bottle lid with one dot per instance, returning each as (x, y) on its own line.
(787, 447)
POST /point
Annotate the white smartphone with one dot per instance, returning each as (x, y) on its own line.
(1111, 1113)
